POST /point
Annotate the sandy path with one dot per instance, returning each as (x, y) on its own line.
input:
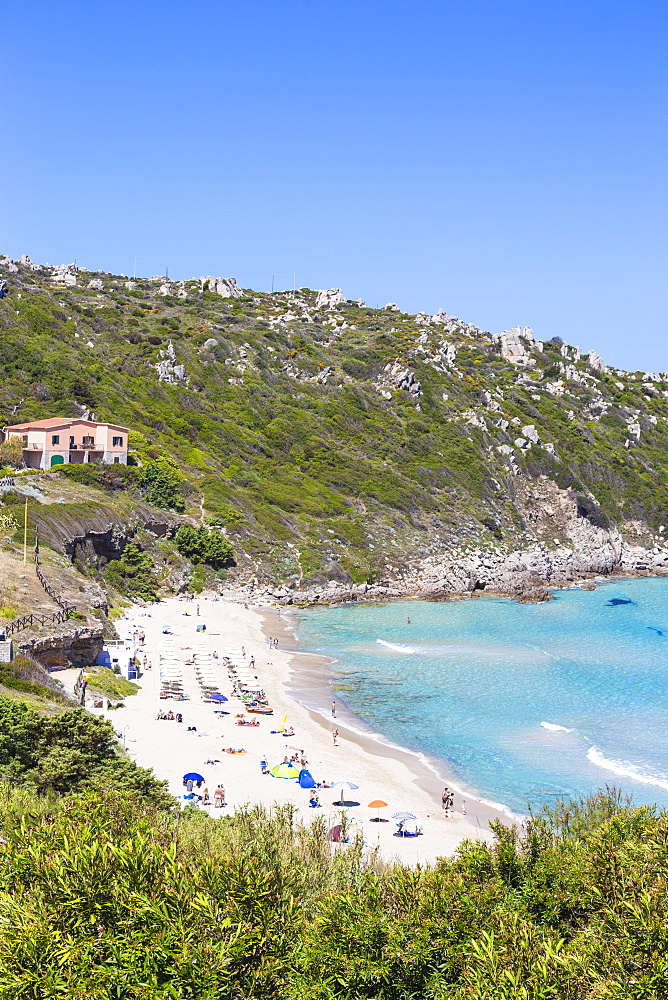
(171, 750)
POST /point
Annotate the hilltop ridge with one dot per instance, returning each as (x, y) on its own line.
(351, 450)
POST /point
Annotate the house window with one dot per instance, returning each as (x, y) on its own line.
(24, 440)
(87, 439)
(55, 439)
(117, 442)
(117, 461)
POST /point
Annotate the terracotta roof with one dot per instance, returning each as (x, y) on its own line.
(61, 422)
(50, 422)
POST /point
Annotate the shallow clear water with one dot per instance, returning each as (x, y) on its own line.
(475, 682)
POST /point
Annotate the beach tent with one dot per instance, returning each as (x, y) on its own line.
(285, 770)
(306, 779)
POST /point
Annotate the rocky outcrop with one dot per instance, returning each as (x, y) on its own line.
(596, 362)
(397, 376)
(328, 298)
(227, 288)
(68, 647)
(169, 370)
(63, 274)
(513, 343)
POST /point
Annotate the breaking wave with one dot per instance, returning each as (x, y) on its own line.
(626, 770)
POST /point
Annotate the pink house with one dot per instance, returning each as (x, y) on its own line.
(61, 440)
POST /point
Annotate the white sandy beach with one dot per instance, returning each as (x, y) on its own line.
(171, 750)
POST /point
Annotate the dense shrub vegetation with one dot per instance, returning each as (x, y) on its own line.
(201, 545)
(132, 574)
(104, 896)
(66, 751)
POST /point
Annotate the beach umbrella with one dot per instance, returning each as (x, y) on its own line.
(306, 779)
(193, 776)
(218, 697)
(403, 816)
(285, 770)
(377, 804)
(344, 785)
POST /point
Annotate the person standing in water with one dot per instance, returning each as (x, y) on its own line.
(333, 709)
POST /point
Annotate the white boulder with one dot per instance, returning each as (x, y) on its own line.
(227, 288)
(328, 298)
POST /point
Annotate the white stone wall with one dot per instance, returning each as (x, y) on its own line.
(109, 457)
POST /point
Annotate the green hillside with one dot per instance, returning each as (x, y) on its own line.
(333, 441)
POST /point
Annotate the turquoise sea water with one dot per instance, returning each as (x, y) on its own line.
(485, 684)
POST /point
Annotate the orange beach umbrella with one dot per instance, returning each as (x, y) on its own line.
(377, 804)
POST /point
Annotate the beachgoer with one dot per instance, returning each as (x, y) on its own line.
(271, 641)
(463, 807)
(218, 797)
(198, 610)
(251, 662)
(205, 797)
(333, 709)
(275, 643)
(243, 652)
(445, 799)
(408, 620)
(335, 737)
(189, 785)
(314, 802)
(179, 717)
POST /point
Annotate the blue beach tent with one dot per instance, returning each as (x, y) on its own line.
(306, 779)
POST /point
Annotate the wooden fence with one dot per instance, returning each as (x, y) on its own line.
(28, 621)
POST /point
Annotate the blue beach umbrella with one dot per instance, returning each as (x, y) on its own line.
(217, 697)
(193, 776)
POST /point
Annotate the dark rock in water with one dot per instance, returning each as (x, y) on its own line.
(657, 630)
(537, 596)
(616, 601)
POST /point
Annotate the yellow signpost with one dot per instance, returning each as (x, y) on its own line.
(25, 533)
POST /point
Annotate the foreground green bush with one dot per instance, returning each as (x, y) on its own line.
(102, 895)
(65, 752)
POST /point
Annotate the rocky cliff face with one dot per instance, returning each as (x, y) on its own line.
(63, 646)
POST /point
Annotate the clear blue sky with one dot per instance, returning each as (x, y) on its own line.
(505, 161)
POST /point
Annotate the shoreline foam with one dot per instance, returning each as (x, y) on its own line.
(430, 772)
